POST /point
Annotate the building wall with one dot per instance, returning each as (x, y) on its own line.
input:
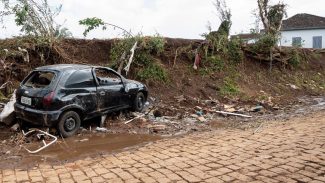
(306, 36)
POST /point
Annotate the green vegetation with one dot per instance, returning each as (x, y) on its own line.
(229, 87)
(36, 18)
(145, 66)
(153, 72)
(235, 53)
(296, 58)
(264, 44)
(91, 24)
(217, 64)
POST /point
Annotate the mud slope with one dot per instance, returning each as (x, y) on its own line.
(251, 78)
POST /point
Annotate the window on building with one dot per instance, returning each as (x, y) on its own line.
(296, 41)
(317, 42)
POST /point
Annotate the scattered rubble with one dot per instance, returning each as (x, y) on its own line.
(42, 136)
(15, 127)
(7, 115)
(256, 109)
(99, 129)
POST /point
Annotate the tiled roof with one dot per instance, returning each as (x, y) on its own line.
(304, 21)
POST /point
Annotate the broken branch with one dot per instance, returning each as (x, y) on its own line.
(233, 114)
(127, 68)
(122, 61)
(127, 122)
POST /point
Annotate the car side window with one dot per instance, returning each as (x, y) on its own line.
(81, 79)
(107, 77)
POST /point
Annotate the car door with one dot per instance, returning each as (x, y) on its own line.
(81, 88)
(109, 90)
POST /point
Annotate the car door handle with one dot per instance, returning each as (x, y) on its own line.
(102, 93)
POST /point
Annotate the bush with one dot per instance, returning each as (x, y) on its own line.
(235, 54)
(153, 45)
(153, 72)
(264, 44)
(295, 59)
(229, 87)
(143, 59)
(216, 62)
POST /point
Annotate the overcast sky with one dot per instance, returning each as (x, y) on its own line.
(170, 18)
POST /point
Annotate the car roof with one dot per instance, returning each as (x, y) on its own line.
(63, 67)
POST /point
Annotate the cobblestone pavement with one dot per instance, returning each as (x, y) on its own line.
(291, 151)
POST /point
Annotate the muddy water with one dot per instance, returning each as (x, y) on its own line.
(75, 148)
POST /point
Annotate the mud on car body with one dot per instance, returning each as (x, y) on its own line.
(63, 95)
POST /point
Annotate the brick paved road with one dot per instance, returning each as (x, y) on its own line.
(282, 152)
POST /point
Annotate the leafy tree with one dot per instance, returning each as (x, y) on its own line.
(218, 40)
(94, 22)
(272, 18)
(91, 24)
(35, 17)
(224, 14)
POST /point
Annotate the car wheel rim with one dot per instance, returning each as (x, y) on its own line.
(140, 102)
(70, 124)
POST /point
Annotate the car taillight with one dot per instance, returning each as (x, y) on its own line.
(47, 100)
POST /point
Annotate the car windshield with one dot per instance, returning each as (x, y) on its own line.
(39, 79)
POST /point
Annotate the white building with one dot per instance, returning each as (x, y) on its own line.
(305, 30)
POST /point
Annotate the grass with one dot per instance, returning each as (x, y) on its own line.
(229, 87)
(153, 72)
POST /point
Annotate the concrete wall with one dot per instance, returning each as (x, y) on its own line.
(306, 36)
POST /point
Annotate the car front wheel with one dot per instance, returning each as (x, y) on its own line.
(69, 124)
(139, 102)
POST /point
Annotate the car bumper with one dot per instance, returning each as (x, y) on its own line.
(37, 117)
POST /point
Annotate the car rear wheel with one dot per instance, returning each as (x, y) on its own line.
(139, 102)
(69, 123)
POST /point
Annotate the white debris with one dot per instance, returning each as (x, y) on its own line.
(101, 129)
(7, 114)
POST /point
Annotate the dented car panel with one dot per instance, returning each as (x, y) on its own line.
(90, 91)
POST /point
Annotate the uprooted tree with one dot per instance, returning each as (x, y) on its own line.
(217, 46)
(218, 38)
(123, 52)
(36, 18)
(94, 22)
(272, 17)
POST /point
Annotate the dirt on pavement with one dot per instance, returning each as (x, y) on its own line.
(291, 151)
(120, 137)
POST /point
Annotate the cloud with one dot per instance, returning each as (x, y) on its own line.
(171, 18)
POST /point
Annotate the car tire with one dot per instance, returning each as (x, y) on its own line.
(69, 124)
(139, 102)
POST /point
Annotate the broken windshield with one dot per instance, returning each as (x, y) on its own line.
(39, 79)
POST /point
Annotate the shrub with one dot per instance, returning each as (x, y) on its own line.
(235, 53)
(153, 72)
(295, 59)
(264, 44)
(216, 62)
(229, 87)
(143, 59)
(153, 45)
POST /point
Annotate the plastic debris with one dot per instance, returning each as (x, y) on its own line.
(40, 135)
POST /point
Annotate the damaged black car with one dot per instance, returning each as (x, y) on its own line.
(64, 95)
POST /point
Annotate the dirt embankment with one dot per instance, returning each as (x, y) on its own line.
(187, 94)
(249, 81)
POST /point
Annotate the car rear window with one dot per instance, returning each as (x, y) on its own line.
(39, 79)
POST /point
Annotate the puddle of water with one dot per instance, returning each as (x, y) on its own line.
(75, 148)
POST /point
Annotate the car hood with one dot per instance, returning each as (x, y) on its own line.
(134, 84)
